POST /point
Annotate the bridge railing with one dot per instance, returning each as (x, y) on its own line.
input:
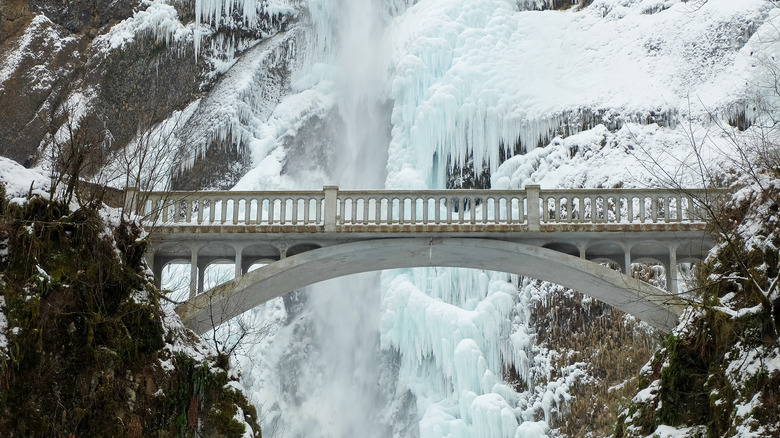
(230, 207)
(431, 207)
(332, 208)
(624, 205)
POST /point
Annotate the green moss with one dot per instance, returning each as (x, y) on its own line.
(86, 336)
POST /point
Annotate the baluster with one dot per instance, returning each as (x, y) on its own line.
(366, 202)
(283, 212)
(575, 207)
(188, 211)
(450, 208)
(198, 203)
(473, 215)
(522, 211)
(165, 208)
(602, 208)
(642, 209)
(593, 214)
(236, 207)
(223, 210)
(654, 208)
(177, 210)
(353, 213)
(294, 218)
(212, 209)
(689, 208)
(571, 210)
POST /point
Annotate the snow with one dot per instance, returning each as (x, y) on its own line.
(664, 431)
(631, 84)
(19, 181)
(40, 33)
(469, 76)
(159, 19)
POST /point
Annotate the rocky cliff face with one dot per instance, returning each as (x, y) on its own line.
(113, 69)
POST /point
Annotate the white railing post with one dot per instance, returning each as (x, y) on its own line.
(331, 201)
(532, 195)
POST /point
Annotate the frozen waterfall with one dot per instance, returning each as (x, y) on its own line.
(388, 94)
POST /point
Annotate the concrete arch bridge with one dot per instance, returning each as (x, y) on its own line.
(562, 236)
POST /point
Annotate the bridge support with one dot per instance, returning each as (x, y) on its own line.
(671, 273)
(645, 302)
(532, 193)
(331, 207)
(195, 279)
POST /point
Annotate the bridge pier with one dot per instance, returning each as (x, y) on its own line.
(196, 279)
(627, 261)
(671, 273)
(238, 263)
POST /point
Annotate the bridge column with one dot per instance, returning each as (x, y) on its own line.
(201, 276)
(194, 278)
(331, 210)
(239, 263)
(532, 197)
(627, 261)
(671, 273)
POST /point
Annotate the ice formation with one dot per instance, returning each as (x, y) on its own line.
(462, 80)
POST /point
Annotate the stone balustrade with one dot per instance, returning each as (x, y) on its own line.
(334, 209)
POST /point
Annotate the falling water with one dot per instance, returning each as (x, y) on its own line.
(331, 386)
(361, 157)
(346, 310)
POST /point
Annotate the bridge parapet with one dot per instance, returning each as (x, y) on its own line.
(333, 209)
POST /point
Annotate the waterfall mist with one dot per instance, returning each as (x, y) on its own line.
(332, 389)
(361, 152)
(345, 311)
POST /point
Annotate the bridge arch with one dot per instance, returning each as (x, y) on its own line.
(641, 300)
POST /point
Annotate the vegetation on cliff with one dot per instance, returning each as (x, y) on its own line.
(86, 348)
(718, 374)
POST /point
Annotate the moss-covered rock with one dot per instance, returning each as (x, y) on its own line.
(88, 350)
(718, 374)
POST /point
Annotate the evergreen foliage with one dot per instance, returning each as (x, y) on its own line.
(87, 352)
(719, 374)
